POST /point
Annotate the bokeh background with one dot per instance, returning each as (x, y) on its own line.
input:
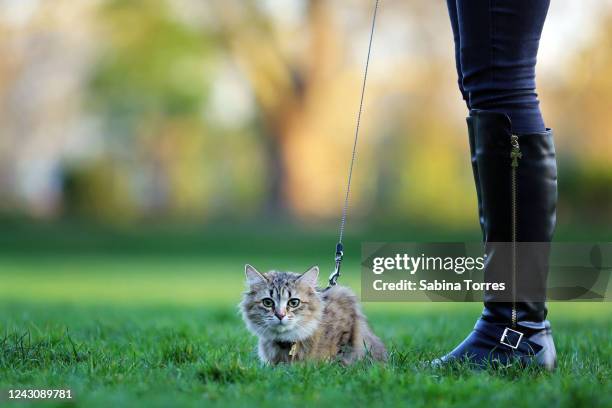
(149, 148)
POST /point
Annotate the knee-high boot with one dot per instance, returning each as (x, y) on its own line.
(516, 185)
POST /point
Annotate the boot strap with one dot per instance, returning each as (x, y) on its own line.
(507, 337)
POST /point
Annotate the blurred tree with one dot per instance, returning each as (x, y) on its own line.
(579, 108)
(153, 66)
(306, 81)
(281, 85)
(150, 87)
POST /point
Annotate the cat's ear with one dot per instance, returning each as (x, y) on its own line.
(310, 276)
(253, 276)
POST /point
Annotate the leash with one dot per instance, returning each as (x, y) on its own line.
(333, 278)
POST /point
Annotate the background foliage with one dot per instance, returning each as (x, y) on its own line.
(133, 110)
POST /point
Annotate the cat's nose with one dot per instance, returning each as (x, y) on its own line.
(280, 314)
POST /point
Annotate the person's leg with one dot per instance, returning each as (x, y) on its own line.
(452, 13)
(515, 179)
(499, 42)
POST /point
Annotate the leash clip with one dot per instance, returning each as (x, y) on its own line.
(333, 278)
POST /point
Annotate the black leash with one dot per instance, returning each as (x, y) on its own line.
(333, 278)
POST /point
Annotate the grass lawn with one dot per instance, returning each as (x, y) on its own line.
(136, 330)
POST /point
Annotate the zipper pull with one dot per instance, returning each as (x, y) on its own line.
(515, 154)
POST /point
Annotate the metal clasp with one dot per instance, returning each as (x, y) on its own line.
(333, 278)
(507, 342)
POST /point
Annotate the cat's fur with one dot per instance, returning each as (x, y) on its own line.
(326, 325)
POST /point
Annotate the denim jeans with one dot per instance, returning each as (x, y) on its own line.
(496, 48)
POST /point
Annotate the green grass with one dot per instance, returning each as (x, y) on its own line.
(150, 319)
(155, 356)
(161, 331)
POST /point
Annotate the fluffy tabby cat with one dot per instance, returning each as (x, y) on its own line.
(296, 321)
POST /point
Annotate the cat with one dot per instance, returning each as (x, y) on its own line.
(296, 321)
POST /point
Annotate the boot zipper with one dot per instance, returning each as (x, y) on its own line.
(515, 155)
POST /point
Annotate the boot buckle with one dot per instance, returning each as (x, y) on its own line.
(511, 338)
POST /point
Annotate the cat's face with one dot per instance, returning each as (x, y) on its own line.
(281, 306)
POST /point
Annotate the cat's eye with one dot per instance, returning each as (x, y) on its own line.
(267, 302)
(293, 302)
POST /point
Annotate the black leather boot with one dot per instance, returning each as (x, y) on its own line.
(516, 185)
(472, 144)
